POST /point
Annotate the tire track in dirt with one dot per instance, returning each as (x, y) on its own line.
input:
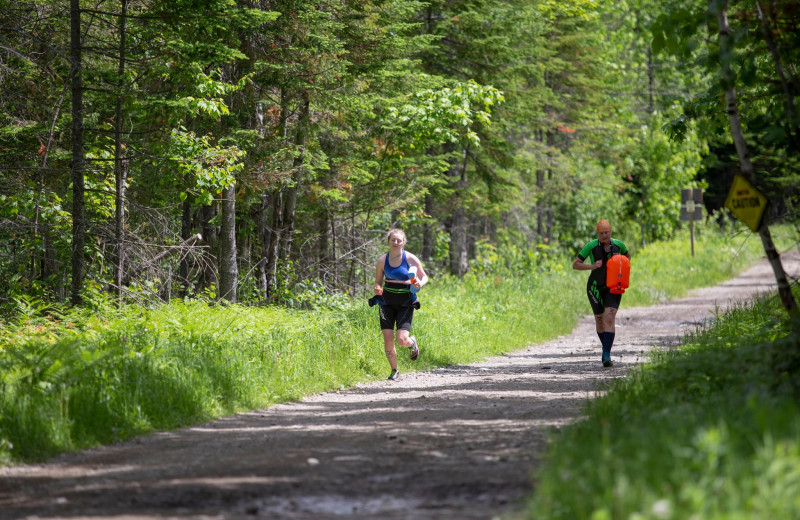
(454, 443)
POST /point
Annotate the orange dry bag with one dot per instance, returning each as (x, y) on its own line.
(618, 273)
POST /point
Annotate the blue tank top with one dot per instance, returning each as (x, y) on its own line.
(399, 273)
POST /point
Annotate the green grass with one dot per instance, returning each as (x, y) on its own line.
(667, 270)
(79, 378)
(710, 431)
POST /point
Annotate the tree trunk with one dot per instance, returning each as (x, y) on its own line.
(458, 229)
(642, 233)
(323, 246)
(787, 92)
(726, 42)
(186, 230)
(119, 170)
(228, 271)
(276, 231)
(352, 277)
(50, 259)
(458, 242)
(642, 223)
(334, 256)
(40, 186)
(540, 205)
(263, 234)
(549, 212)
(428, 236)
(209, 233)
(651, 81)
(475, 227)
(290, 203)
(274, 242)
(78, 159)
(540, 186)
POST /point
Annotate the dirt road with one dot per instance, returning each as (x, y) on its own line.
(454, 443)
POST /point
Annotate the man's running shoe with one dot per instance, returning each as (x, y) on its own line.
(607, 362)
(414, 350)
(393, 375)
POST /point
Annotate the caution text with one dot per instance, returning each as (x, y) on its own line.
(749, 202)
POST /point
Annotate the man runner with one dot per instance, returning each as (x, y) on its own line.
(604, 303)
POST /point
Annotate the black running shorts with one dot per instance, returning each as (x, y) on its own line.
(600, 297)
(399, 315)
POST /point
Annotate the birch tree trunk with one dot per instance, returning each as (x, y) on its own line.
(728, 82)
(458, 229)
(119, 170)
(228, 271)
(78, 159)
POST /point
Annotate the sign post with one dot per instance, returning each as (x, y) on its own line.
(746, 202)
(691, 209)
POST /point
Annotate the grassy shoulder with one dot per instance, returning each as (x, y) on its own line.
(90, 380)
(711, 430)
(75, 379)
(667, 270)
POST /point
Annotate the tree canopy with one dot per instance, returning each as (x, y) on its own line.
(258, 150)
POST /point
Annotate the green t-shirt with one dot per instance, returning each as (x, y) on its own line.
(594, 251)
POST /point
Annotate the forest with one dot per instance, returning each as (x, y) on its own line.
(194, 193)
(258, 151)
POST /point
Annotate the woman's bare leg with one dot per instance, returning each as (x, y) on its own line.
(388, 348)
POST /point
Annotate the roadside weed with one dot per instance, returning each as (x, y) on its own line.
(711, 430)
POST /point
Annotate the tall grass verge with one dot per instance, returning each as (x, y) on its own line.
(711, 430)
(666, 270)
(75, 379)
(141, 370)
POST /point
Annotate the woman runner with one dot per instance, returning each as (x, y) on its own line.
(395, 298)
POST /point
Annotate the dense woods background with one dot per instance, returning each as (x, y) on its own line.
(257, 151)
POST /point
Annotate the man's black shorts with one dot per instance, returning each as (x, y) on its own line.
(600, 297)
(400, 315)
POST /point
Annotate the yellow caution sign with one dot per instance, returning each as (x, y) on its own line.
(746, 202)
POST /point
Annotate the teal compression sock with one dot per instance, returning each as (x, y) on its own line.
(608, 341)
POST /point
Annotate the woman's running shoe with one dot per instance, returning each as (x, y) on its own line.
(414, 350)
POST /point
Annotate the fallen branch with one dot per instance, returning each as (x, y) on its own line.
(186, 243)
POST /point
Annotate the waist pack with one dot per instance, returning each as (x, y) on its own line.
(395, 294)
